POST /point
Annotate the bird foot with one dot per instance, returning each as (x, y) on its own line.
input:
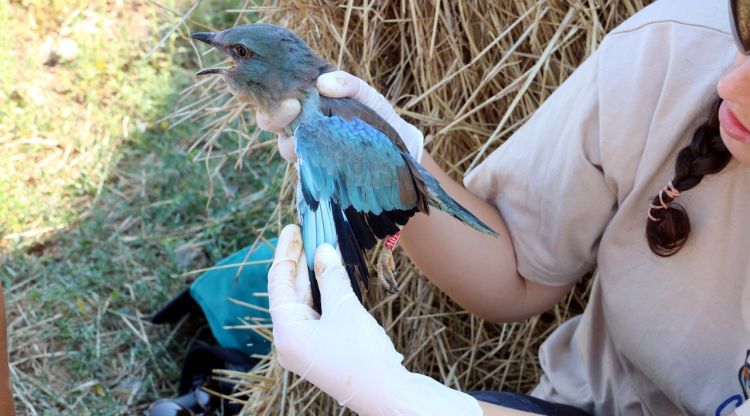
(386, 266)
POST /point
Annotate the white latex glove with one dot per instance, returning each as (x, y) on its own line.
(340, 84)
(344, 351)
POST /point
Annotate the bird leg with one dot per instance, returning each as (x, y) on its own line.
(386, 264)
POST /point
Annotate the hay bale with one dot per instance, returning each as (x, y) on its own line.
(468, 74)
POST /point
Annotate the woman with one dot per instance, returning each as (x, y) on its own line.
(599, 165)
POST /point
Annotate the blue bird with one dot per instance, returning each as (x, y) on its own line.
(357, 181)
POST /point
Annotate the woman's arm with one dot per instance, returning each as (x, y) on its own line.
(489, 409)
(477, 270)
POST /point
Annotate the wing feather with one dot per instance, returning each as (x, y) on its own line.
(355, 164)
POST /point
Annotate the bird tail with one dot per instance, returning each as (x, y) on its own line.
(326, 223)
(439, 199)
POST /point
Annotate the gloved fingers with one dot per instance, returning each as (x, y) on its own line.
(283, 272)
(284, 114)
(333, 281)
(288, 147)
(302, 287)
(413, 138)
(292, 317)
(294, 326)
(339, 84)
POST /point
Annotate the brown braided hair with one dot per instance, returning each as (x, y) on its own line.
(668, 225)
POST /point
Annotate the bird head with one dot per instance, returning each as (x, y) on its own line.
(270, 63)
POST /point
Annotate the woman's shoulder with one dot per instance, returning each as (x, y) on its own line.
(657, 75)
(684, 14)
(667, 29)
(673, 33)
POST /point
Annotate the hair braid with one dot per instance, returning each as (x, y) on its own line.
(668, 225)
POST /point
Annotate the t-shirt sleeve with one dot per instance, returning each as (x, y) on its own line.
(548, 183)
(743, 410)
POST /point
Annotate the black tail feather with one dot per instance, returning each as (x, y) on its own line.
(357, 232)
(381, 225)
(352, 252)
(315, 290)
(352, 255)
(359, 225)
(368, 227)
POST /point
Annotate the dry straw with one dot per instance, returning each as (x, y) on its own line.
(468, 73)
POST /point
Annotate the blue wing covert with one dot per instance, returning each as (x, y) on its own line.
(355, 164)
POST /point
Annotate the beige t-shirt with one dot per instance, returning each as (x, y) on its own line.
(661, 336)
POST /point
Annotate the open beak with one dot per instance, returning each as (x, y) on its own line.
(207, 37)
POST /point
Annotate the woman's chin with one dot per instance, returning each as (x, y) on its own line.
(738, 149)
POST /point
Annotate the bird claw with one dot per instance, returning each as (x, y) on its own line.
(386, 266)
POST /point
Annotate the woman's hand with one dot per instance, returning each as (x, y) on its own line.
(344, 351)
(340, 84)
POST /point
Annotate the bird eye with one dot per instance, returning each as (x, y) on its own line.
(241, 51)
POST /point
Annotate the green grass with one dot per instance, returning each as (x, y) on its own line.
(103, 209)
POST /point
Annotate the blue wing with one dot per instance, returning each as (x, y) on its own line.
(354, 164)
(358, 184)
(355, 185)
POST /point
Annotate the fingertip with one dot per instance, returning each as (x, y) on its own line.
(337, 84)
(325, 257)
(286, 111)
(290, 107)
(288, 148)
(289, 244)
(336, 290)
(267, 121)
(326, 252)
(262, 120)
(303, 289)
(290, 229)
(282, 274)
